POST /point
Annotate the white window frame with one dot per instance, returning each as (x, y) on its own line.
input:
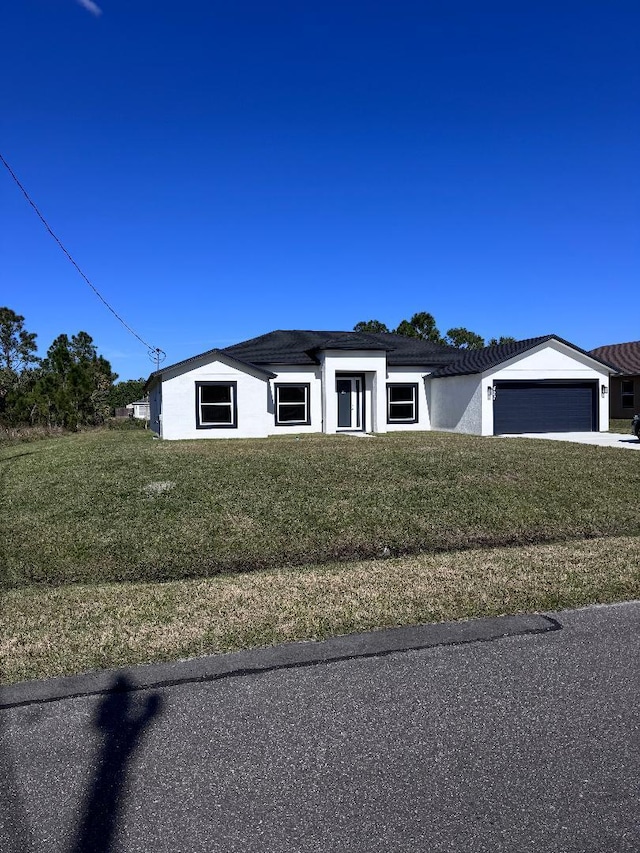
(232, 404)
(307, 403)
(413, 402)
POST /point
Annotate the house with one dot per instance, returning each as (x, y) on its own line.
(293, 381)
(138, 409)
(624, 396)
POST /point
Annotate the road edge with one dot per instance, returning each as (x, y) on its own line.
(375, 643)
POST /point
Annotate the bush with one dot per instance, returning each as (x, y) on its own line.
(23, 432)
(127, 423)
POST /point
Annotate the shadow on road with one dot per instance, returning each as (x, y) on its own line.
(122, 727)
(15, 835)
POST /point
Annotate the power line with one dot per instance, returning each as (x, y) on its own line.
(157, 354)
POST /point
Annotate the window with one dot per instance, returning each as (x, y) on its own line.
(292, 404)
(216, 405)
(402, 403)
(628, 401)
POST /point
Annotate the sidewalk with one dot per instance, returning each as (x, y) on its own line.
(601, 439)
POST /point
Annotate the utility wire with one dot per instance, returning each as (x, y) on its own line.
(155, 350)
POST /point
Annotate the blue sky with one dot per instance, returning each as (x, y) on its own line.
(222, 169)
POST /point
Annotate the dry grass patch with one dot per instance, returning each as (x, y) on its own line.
(621, 425)
(56, 631)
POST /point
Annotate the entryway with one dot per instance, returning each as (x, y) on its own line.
(349, 390)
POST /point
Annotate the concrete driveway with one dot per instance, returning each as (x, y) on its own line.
(602, 439)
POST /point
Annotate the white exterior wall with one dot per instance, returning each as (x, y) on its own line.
(309, 375)
(173, 402)
(373, 365)
(551, 360)
(415, 375)
(456, 403)
(179, 402)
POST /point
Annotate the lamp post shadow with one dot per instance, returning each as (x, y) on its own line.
(15, 833)
(122, 729)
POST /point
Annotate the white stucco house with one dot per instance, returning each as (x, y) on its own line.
(314, 381)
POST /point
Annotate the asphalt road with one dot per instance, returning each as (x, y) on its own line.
(497, 735)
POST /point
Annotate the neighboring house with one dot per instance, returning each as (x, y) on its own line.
(313, 381)
(624, 395)
(139, 409)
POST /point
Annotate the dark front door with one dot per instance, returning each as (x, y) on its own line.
(349, 391)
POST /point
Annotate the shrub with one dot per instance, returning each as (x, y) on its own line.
(126, 423)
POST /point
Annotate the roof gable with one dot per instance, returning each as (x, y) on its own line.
(480, 360)
(211, 355)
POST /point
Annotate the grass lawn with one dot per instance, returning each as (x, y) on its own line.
(622, 425)
(117, 548)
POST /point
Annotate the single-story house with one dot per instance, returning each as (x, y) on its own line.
(313, 381)
(624, 396)
(139, 409)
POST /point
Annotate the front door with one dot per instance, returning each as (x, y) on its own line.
(349, 391)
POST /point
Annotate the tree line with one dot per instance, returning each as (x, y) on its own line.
(423, 325)
(72, 386)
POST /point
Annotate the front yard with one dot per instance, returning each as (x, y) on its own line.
(117, 548)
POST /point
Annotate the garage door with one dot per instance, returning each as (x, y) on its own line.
(545, 406)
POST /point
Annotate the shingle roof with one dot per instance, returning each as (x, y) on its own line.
(302, 347)
(626, 357)
(212, 354)
(298, 346)
(479, 360)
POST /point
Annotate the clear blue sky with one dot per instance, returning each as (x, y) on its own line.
(222, 169)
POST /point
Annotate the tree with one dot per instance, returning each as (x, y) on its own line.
(503, 339)
(17, 350)
(370, 326)
(123, 393)
(464, 339)
(72, 384)
(422, 325)
(405, 328)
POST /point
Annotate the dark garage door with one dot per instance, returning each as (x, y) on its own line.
(545, 406)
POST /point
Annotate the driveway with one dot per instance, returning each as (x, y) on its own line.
(601, 439)
(504, 735)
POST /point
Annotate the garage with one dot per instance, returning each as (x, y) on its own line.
(545, 406)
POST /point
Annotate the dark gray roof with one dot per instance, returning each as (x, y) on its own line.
(625, 357)
(297, 346)
(211, 354)
(302, 347)
(479, 360)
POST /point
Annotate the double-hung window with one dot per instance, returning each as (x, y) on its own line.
(402, 403)
(216, 405)
(628, 401)
(292, 404)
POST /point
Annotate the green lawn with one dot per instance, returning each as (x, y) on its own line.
(103, 506)
(117, 548)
